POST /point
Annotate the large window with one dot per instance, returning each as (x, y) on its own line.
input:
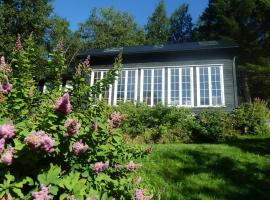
(210, 89)
(126, 86)
(152, 86)
(96, 76)
(180, 86)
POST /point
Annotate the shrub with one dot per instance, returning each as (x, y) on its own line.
(213, 126)
(57, 146)
(159, 124)
(252, 118)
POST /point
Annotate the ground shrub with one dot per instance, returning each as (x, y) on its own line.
(252, 118)
(158, 124)
(213, 126)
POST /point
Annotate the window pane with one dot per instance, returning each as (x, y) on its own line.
(175, 87)
(121, 86)
(204, 86)
(157, 86)
(186, 86)
(216, 85)
(147, 86)
(131, 85)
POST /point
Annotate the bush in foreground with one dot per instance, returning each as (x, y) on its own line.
(57, 145)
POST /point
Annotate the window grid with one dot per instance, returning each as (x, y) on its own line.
(180, 86)
(210, 86)
(99, 75)
(126, 86)
(152, 86)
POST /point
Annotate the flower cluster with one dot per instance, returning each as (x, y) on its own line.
(5, 86)
(100, 167)
(2, 144)
(115, 119)
(43, 194)
(18, 44)
(72, 127)
(86, 62)
(60, 45)
(7, 157)
(131, 166)
(3, 66)
(63, 105)
(6, 131)
(117, 167)
(140, 196)
(40, 140)
(94, 126)
(7, 197)
(79, 148)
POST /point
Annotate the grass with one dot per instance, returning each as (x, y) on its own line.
(239, 170)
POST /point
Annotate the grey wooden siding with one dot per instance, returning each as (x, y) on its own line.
(183, 59)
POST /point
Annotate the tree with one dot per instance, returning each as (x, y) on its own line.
(247, 23)
(157, 28)
(22, 17)
(108, 27)
(181, 25)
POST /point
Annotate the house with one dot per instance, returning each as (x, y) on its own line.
(197, 75)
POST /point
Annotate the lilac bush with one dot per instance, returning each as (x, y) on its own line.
(60, 144)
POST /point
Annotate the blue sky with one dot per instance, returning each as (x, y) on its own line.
(77, 11)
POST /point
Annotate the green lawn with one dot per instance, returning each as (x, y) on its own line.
(239, 170)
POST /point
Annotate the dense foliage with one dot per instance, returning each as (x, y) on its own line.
(247, 23)
(108, 28)
(57, 146)
(162, 124)
(252, 118)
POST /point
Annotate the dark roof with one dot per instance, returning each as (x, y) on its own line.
(189, 46)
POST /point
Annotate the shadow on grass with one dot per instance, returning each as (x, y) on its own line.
(253, 145)
(210, 175)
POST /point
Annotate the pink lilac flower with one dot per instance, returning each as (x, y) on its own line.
(63, 105)
(115, 119)
(2, 62)
(43, 194)
(87, 61)
(7, 131)
(79, 148)
(18, 44)
(100, 167)
(5, 86)
(91, 198)
(71, 198)
(7, 157)
(131, 166)
(117, 167)
(72, 127)
(94, 126)
(140, 196)
(2, 145)
(7, 197)
(40, 140)
(60, 45)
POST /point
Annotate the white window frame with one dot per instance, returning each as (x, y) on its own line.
(180, 68)
(126, 70)
(210, 85)
(152, 84)
(101, 77)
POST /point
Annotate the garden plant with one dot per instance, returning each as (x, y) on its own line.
(61, 144)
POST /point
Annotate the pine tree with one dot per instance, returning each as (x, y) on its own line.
(157, 28)
(181, 25)
(246, 22)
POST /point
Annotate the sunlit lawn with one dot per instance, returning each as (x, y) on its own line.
(239, 170)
